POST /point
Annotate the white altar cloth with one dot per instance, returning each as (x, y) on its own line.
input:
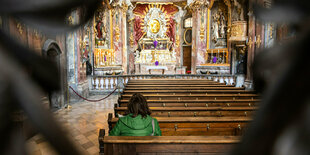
(156, 67)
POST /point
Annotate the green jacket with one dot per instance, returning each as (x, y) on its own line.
(138, 126)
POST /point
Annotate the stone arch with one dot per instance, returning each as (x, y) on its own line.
(51, 51)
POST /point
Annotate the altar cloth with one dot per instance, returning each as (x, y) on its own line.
(156, 67)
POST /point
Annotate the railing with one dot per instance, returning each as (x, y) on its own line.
(109, 83)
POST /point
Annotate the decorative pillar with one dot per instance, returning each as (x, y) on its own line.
(124, 8)
(259, 31)
(76, 78)
(178, 46)
(195, 8)
(251, 47)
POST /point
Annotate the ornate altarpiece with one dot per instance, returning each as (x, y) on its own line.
(155, 36)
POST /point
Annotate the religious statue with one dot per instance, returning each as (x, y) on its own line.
(99, 29)
(239, 10)
(137, 55)
(219, 28)
(222, 22)
(101, 32)
(215, 27)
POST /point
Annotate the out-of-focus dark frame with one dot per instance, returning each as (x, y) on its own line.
(24, 74)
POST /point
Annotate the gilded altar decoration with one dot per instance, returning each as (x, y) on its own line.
(155, 33)
(217, 57)
(156, 25)
(104, 57)
(155, 51)
(238, 31)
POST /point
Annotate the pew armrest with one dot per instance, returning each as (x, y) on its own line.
(100, 139)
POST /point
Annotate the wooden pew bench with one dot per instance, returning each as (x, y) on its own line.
(194, 111)
(183, 88)
(177, 85)
(196, 97)
(169, 80)
(174, 83)
(120, 145)
(188, 92)
(197, 126)
(196, 103)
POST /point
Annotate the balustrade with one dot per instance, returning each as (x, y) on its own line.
(109, 83)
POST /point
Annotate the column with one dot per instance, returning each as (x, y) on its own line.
(124, 8)
(195, 34)
(251, 47)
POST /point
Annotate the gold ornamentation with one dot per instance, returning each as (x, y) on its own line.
(117, 33)
(104, 57)
(19, 27)
(202, 32)
(177, 41)
(70, 20)
(154, 26)
(36, 34)
(271, 31)
(124, 8)
(250, 43)
(131, 39)
(197, 5)
(238, 31)
(258, 41)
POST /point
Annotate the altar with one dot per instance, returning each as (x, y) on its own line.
(156, 53)
(150, 68)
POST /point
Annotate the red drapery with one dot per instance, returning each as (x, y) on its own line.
(138, 29)
(171, 30)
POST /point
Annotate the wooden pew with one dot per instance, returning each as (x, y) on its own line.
(194, 111)
(175, 83)
(197, 104)
(183, 88)
(196, 97)
(197, 126)
(188, 92)
(142, 145)
(168, 80)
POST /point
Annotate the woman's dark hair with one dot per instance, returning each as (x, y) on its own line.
(138, 105)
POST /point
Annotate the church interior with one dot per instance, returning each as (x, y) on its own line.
(219, 76)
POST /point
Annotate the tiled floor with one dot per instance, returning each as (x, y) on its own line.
(82, 122)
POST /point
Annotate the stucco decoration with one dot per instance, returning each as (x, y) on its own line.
(155, 24)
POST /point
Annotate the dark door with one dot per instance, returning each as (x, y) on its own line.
(187, 57)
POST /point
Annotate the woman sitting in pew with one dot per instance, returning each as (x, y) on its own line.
(138, 121)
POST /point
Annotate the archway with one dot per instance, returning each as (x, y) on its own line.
(52, 51)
